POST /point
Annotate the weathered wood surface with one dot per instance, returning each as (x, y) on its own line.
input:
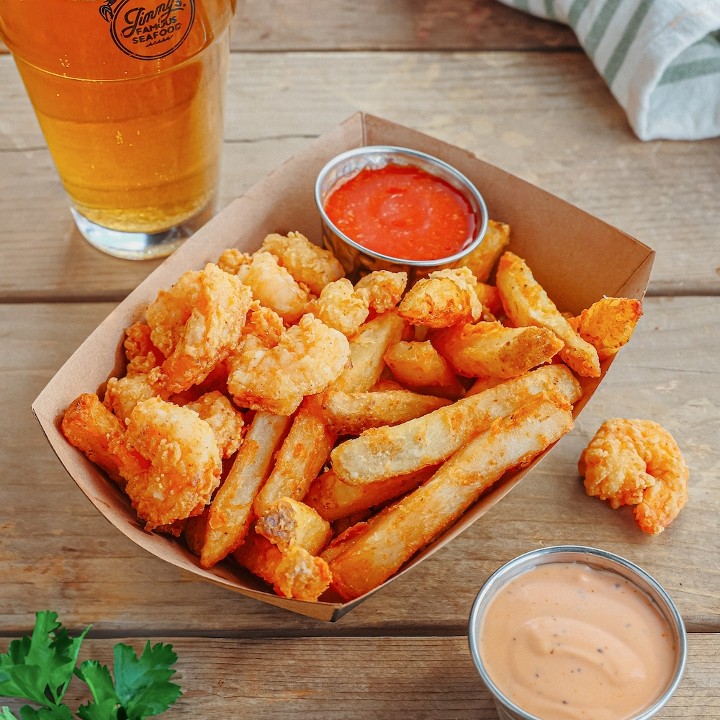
(358, 678)
(546, 117)
(517, 92)
(57, 551)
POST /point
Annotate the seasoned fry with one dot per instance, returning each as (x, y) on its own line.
(482, 260)
(489, 349)
(293, 574)
(300, 458)
(388, 451)
(333, 499)
(397, 533)
(352, 413)
(308, 357)
(418, 365)
(608, 324)
(526, 303)
(443, 298)
(308, 263)
(94, 430)
(230, 512)
(289, 522)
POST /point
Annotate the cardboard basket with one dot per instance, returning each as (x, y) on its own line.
(575, 256)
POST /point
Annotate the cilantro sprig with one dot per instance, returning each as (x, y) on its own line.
(39, 669)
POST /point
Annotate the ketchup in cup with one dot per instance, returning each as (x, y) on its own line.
(402, 211)
(386, 207)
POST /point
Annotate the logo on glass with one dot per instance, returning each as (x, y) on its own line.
(149, 29)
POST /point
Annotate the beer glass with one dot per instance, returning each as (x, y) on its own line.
(129, 95)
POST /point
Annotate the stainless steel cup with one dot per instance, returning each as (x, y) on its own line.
(600, 560)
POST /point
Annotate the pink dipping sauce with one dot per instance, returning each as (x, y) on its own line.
(564, 640)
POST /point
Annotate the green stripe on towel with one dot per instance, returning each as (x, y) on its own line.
(621, 50)
(690, 70)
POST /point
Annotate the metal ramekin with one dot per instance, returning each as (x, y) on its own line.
(600, 560)
(358, 259)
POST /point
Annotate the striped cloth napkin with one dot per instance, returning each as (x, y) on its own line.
(660, 59)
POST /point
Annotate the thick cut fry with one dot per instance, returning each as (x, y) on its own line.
(94, 430)
(482, 260)
(230, 512)
(308, 263)
(333, 499)
(418, 365)
(393, 536)
(385, 452)
(608, 324)
(293, 574)
(308, 357)
(301, 457)
(489, 349)
(526, 303)
(352, 413)
(443, 298)
(289, 522)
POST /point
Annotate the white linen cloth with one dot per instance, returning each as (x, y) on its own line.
(660, 59)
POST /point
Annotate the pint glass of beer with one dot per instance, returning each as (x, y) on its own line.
(129, 96)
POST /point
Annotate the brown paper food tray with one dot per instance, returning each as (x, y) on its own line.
(575, 256)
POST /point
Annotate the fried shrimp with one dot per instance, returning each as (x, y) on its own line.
(223, 417)
(141, 353)
(171, 461)
(307, 358)
(637, 462)
(308, 263)
(196, 323)
(123, 394)
(444, 298)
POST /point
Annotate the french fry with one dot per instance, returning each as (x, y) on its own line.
(289, 522)
(419, 366)
(294, 573)
(443, 298)
(526, 303)
(608, 324)
(333, 499)
(230, 511)
(308, 444)
(489, 349)
(384, 452)
(393, 536)
(482, 260)
(351, 413)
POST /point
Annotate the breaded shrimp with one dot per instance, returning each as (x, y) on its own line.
(308, 357)
(171, 461)
(123, 394)
(637, 462)
(196, 323)
(93, 429)
(140, 350)
(340, 307)
(223, 417)
(274, 286)
(308, 263)
(382, 289)
(444, 298)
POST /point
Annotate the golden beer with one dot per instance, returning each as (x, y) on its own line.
(129, 96)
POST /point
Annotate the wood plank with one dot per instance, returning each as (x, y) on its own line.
(58, 552)
(391, 25)
(559, 128)
(357, 678)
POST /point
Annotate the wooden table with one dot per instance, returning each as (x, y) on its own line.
(517, 92)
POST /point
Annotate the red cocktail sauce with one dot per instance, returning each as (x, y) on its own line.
(403, 212)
